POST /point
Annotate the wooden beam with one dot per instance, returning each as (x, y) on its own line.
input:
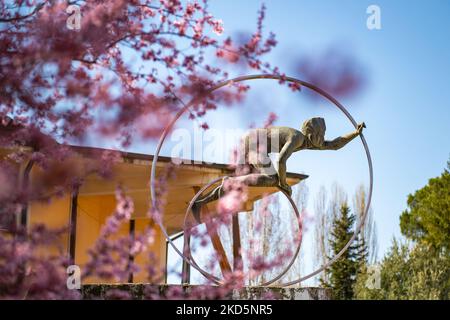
(218, 247)
(224, 264)
(237, 256)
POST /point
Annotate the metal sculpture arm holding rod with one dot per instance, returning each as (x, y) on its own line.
(311, 137)
(258, 143)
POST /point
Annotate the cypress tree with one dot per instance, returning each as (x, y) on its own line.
(342, 274)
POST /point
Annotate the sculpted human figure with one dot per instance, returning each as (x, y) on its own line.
(258, 143)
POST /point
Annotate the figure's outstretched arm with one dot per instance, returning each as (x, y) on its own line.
(340, 142)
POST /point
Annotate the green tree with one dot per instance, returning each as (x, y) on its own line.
(427, 218)
(327, 207)
(342, 274)
(409, 272)
(419, 269)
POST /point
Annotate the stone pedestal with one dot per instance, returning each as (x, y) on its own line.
(147, 291)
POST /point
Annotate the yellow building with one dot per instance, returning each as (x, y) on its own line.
(85, 211)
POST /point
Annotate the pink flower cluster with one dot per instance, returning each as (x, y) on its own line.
(121, 76)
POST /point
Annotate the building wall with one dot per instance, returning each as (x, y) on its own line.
(54, 215)
(157, 259)
(91, 216)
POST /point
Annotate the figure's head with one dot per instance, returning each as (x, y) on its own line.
(314, 129)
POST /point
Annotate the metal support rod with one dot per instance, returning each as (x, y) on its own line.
(186, 267)
(73, 225)
(25, 184)
(237, 257)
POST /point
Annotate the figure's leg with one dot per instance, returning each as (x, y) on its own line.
(209, 197)
(258, 180)
(251, 170)
(242, 168)
(252, 179)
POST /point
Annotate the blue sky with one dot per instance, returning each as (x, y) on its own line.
(405, 104)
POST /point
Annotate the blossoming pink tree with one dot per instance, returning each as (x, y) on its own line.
(126, 61)
(124, 72)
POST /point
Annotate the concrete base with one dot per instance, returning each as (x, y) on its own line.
(148, 291)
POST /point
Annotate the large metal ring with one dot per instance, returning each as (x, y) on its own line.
(310, 86)
(211, 277)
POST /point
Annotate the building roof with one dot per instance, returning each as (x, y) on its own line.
(133, 173)
(140, 158)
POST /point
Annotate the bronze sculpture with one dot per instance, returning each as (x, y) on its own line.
(186, 254)
(258, 143)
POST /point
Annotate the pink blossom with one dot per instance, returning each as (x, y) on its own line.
(64, 87)
(218, 26)
(270, 120)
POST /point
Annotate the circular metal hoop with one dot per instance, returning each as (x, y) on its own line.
(211, 277)
(255, 77)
